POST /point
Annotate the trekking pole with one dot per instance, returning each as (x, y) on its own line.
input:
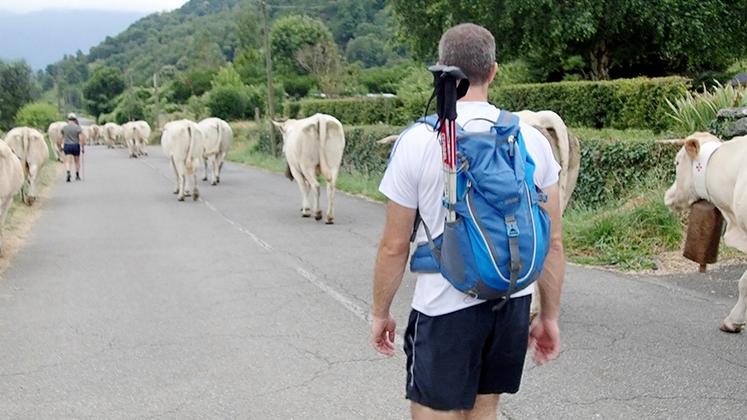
(445, 80)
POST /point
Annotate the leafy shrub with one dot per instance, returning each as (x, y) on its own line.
(298, 86)
(383, 79)
(612, 168)
(37, 115)
(359, 110)
(623, 103)
(513, 72)
(228, 103)
(227, 76)
(694, 111)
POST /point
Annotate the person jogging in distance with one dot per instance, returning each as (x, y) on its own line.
(74, 145)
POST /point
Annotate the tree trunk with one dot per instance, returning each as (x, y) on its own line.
(600, 61)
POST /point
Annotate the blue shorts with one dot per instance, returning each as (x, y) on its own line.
(454, 357)
(71, 149)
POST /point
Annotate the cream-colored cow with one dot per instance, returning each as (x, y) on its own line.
(183, 143)
(28, 144)
(112, 134)
(11, 181)
(565, 148)
(710, 169)
(136, 135)
(313, 146)
(93, 134)
(56, 139)
(218, 138)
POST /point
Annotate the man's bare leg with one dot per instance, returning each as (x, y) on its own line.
(486, 408)
(421, 412)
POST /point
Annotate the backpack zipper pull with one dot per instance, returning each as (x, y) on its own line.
(511, 146)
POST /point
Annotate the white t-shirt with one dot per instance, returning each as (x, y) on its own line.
(414, 179)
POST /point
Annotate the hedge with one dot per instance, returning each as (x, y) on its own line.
(610, 169)
(622, 103)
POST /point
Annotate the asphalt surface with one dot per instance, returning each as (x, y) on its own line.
(126, 304)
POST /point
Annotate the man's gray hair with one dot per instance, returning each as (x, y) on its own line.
(471, 48)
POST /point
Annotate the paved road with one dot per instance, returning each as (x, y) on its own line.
(128, 304)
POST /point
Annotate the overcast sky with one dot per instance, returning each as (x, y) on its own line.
(22, 6)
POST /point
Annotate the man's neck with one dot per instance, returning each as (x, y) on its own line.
(477, 93)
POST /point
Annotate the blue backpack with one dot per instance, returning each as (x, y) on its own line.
(499, 241)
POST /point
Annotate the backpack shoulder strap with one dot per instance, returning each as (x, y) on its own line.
(506, 123)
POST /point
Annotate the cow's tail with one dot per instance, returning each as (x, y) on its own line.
(190, 147)
(324, 166)
(564, 144)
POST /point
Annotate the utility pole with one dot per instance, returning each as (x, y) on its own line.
(158, 100)
(268, 61)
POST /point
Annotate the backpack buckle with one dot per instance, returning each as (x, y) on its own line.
(512, 227)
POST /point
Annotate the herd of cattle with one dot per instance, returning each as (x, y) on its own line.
(314, 146)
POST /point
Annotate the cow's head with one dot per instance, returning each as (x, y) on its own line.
(681, 194)
(284, 126)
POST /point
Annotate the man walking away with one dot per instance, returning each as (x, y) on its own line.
(74, 145)
(462, 352)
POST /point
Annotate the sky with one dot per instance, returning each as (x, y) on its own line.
(23, 6)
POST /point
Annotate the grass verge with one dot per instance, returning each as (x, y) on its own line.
(22, 217)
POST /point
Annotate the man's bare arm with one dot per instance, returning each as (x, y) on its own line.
(551, 280)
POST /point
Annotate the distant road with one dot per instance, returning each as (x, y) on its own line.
(128, 304)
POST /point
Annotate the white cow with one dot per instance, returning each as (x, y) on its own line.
(715, 171)
(313, 146)
(136, 135)
(112, 134)
(183, 143)
(54, 133)
(28, 144)
(218, 138)
(564, 145)
(93, 134)
(11, 181)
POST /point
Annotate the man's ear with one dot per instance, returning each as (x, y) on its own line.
(493, 72)
(692, 147)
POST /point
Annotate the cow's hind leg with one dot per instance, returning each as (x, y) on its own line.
(310, 175)
(735, 322)
(214, 168)
(33, 174)
(303, 186)
(192, 173)
(331, 201)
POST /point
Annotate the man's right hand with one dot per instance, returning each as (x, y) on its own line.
(383, 333)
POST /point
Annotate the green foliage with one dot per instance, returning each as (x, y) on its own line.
(192, 83)
(612, 167)
(695, 111)
(514, 72)
(37, 115)
(290, 34)
(134, 104)
(228, 103)
(297, 86)
(227, 76)
(623, 103)
(384, 79)
(16, 89)
(368, 50)
(628, 233)
(614, 38)
(100, 91)
(357, 111)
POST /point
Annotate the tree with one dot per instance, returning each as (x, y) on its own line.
(101, 89)
(369, 50)
(290, 34)
(323, 63)
(613, 37)
(16, 89)
(37, 115)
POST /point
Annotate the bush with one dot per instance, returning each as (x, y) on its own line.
(358, 110)
(623, 103)
(298, 86)
(228, 103)
(37, 115)
(383, 79)
(612, 168)
(695, 111)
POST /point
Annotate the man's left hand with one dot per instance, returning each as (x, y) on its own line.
(544, 339)
(383, 333)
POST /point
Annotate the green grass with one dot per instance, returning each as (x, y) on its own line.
(627, 234)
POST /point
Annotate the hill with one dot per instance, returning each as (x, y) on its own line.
(44, 37)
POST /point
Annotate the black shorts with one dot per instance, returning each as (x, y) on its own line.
(454, 357)
(71, 149)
